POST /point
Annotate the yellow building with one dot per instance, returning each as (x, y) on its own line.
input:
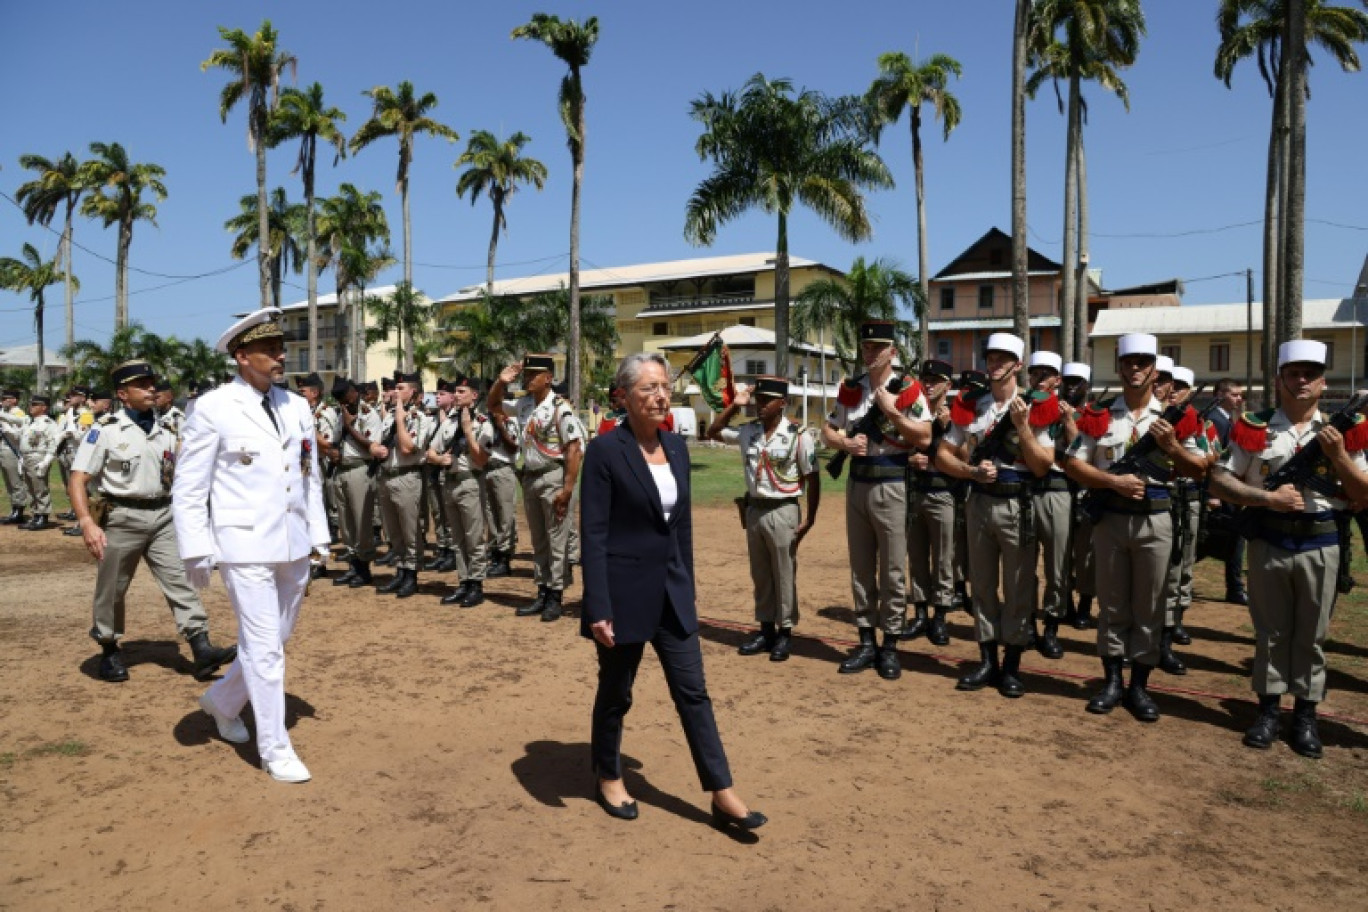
(335, 343)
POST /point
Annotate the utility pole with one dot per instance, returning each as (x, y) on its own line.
(1249, 330)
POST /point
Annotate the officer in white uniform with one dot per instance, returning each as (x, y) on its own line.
(249, 449)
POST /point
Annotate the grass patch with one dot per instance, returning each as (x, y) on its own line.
(68, 748)
(718, 477)
(1357, 803)
(7, 760)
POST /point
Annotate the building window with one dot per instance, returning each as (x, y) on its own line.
(1173, 350)
(947, 298)
(985, 297)
(1329, 352)
(755, 367)
(747, 321)
(660, 329)
(943, 349)
(1220, 357)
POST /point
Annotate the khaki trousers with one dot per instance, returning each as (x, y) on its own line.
(1132, 565)
(36, 480)
(355, 498)
(435, 512)
(550, 536)
(65, 456)
(1052, 511)
(770, 525)
(1291, 601)
(132, 535)
(14, 477)
(501, 515)
(1178, 585)
(996, 555)
(931, 546)
(400, 502)
(464, 509)
(876, 536)
(1084, 559)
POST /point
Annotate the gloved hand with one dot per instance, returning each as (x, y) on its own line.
(198, 570)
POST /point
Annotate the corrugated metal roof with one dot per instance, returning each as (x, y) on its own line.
(742, 337)
(982, 276)
(1331, 313)
(988, 323)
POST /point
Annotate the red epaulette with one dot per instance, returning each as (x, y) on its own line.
(1188, 425)
(910, 394)
(1356, 438)
(1212, 434)
(963, 410)
(668, 423)
(1044, 412)
(1250, 432)
(1094, 421)
(850, 394)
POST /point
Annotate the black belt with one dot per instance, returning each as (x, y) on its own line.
(139, 503)
(1145, 506)
(402, 470)
(868, 473)
(1010, 483)
(537, 473)
(927, 482)
(1050, 482)
(1297, 528)
(768, 503)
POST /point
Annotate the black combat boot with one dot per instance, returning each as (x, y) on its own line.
(1105, 700)
(1180, 635)
(1137, 698)
(1168, 660)
(783, 645)
(1048, 643)
(987, 671)
(38, 523)
(208, 657)
(863, 655)
(937, 632)
(112, 665)
(1267, 727)
(1070, 610)
(889, 666)
(436, 561)
(455, 596)
(498, 565)
(918, 625)
(537, 606)
(1009, 682)
(553, 609)
(446, 560)
(761, 642)
(393, 585)
(346, 578)
(363, 574)
(961, 600)
(15, 518)
(68, 516)
(474, 595)
(1082, 621)
(1304, 739)
(388, 560)
(409, 585)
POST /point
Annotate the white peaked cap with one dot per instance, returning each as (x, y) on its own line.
(1077, 369)
(1184, 375)
(1164, 364)
(1046, 359)
(1137, 344)
(1006, 342)
(265, 315)
(1301, 350)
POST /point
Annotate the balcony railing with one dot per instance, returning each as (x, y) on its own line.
(689, 302)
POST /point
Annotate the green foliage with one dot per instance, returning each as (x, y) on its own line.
(255, 66)
(59, 184)
(573, 44)
(286, 233)
(402, 114)
(836, 307)
(902, 85)
(1254, 28)
(1092, 40)
(177, 360)
(119, 185)
(354, 236)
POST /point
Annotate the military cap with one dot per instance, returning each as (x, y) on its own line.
(368, 386)
(973, 380)
(101, 394)
(194, 386)
(10, 394)
(261, 324)
(131, 370)
(401, 377)
(876, 331)
(444, 385)
(539, 362)
(470, 383)
(934, 367)
(768, 385)
(385, 383)
(163, 385)
(37, 399)
(560, 389)
(80, 390)
(341, 386)
(313, 380)
(1307, 351)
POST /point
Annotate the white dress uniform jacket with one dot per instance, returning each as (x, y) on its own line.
(263, 485)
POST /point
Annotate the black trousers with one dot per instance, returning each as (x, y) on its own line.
(681, 658)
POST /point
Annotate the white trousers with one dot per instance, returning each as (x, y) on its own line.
(266, 598)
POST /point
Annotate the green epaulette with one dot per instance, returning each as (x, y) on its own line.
(1259, 419)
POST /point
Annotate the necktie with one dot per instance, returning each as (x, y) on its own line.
(270, 412)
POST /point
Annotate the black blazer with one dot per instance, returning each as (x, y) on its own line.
(634, 561)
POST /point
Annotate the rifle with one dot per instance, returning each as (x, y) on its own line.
(867, 425)
(1301, 468)
(388, 443)
(995, 443)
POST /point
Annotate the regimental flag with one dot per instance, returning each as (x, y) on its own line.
(711, 369)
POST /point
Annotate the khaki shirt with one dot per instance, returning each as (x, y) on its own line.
(327, 425)
(38, 443)
(173, 419)
(775, 466)
(369, 425)
(124, 461)
(988, 412)
(1284, 440)
(420, 428)
(442, 441)
(499, 452)
(1123, 433)
(544, 429)
(843, 418)
(12, 423)
(72, 426)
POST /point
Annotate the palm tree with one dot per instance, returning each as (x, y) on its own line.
(543, 322)
(195, 360)
(302, 115)
(256, 66)
(480, 335)
(404, 115)
(90, 362)
(118, 186)
(901, 84)
(496, 168)
(1021, 287)
(284, 224)
(1257, 29)
(772, 148)
(33, 275)
(405, 312)
(59, 184)
(573, 44)
(349, 225)
(1074, 40)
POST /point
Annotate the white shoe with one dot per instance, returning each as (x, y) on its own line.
(231, 729)
(289, 769)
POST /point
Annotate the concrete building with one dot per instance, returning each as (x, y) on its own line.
(335, 342)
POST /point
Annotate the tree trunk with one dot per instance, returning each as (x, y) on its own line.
(277, 276)
(1080, 341)
(66, 266)
(1073, 133)
(1294, 221)
(923, 259)
(493, 247)
(1021, 289)
(1271, 252)
(572, 348)
(821, 347)
(263, 215)
(40, 376)
(781, 299)
(406, 344)
(121, 273)
(311, 251)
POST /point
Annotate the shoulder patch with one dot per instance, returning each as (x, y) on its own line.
(1044, 411)
(109, 419)
(962, 409)
(1188, 425)
(850, 393)
(1250, 431)
(93, 435)
(1095, 420)
(911, 392)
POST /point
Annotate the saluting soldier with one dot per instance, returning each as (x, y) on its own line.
(1051, 505)
(931, 517)
(444, 561)
(780, 461)
(551, 440)
(72, 425)
(1133, 537)
(876, 492)
(168, 413)
(359, 427)
(501, 496)
(1002, 461)
(38, 449)
(325, 429)
(13, 420)
(1074, 389)
(130, 458)
(1294, 545)
(403, 444)
(461, 449)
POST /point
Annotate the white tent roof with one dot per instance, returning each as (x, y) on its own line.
(743, 337)
(27, 356)
(1332, 313)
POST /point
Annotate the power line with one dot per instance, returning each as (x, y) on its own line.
(554, 256)
(180, 281)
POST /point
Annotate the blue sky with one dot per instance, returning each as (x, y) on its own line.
(1188, 157)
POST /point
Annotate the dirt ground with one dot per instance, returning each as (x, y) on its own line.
(450, 760)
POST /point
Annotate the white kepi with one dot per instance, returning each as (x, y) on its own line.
(1137, 344)
(1184, 375)
(1006, 342)
(261, 324)
(1301, 350)
(1047, 359)
(1077, 369)
(1164, 365)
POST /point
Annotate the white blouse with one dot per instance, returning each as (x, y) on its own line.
(665, 484)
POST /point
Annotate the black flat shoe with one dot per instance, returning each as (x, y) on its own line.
(752, 821)
(625, 811)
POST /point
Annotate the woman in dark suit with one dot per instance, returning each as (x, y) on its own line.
(637, 559)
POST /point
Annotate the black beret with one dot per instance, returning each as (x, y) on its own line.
(100, 394)
(973, 379)
(386, 383)
(341, 386)
(470, 383)
(163, 385)
(38, 400)
(401, 377)
(313, 380)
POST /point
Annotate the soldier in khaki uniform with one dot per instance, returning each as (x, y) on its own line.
(401, 449)
(1294, 551)
(131, 458)
(1133, 534)
(72, 425)
(931, 518)
(326, 425)
(13, 420)
(1052, 509)
(38, 449)
(780, 461)
(461, 449)
(1187, 518)
(435, 509)
(551, 439)
(501, 497)
(169, 414)
(1073, 396)
(359, 426)
(876, 493)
